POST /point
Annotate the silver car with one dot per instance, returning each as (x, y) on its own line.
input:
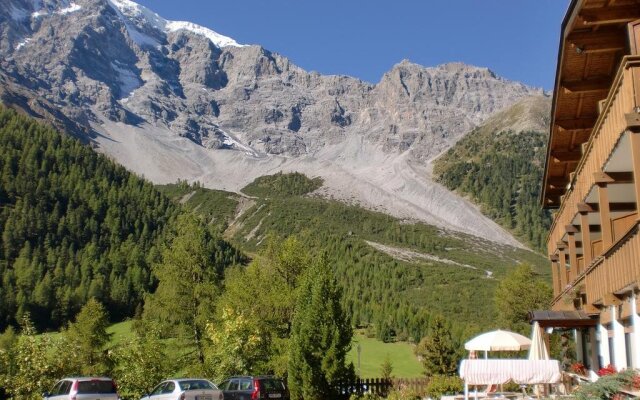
(185, 389)
(83, 388)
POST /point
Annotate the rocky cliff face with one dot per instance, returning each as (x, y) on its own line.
(175, 100)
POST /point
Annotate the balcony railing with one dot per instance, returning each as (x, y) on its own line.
(609, 128)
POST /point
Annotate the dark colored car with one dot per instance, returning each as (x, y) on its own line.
(254, 388)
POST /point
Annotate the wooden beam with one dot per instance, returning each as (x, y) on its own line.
(635, 161)
(601, 177)
(584, 208)
(586, 85)
(621, 177)
(585, 229)
(574, 124)
(605, 215)
(611, 299)
(566, 156)
(610, 15)
(590, 309)
(633, 121)
(602, 40)
(615, 206)
(571, 229)
(573, 257)
(561, 245)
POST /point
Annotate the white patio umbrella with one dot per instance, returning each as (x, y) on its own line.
(498, 341)
(538, 349)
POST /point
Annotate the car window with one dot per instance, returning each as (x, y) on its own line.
(169, 387)
(246, 384)
(233, 385)
(56, 388)
(224, 385)
(196, 384)
(271, 384)
(158, 389)
(96, 386)
(65, 388)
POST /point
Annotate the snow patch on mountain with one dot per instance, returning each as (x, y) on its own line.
(127, 79)
(141, 17)
(68, 8)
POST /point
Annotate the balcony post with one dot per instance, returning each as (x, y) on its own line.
(585, 231)
(562, 260)
(635, 160)
(554, 273)
(573, 253)
(602, 180)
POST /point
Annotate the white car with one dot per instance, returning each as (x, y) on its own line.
(185, 389)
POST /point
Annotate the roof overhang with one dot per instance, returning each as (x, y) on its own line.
(562, 319)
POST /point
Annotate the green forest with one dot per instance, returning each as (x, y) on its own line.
(393, 298)
(75, 226)
(501, 171)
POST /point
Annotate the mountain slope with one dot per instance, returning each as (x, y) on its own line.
(395, 275)
(172, 100)
(500, 165)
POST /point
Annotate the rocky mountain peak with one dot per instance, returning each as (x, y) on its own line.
(113, 70)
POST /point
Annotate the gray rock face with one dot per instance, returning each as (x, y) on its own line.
(117, 60)
(87, 64)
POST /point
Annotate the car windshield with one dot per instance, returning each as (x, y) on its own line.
(271, 384)
(96, 386)
(196, 384)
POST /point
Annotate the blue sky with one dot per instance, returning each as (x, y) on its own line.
(517, 39)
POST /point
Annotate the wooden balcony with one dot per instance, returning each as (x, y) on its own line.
(610, 126)
(609, 261)
(616, 269)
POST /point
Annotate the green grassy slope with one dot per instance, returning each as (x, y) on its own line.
(499, 166)
(373, 353)
(395, 275)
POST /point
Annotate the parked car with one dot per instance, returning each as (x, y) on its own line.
(254, 388)
(185, 389)
(83, 388)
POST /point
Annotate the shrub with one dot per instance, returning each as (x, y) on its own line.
(607, 386)
(365, 396)
(440, 385)
(403, 393)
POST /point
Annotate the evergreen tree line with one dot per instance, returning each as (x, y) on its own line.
(502, 171)
(75, 225)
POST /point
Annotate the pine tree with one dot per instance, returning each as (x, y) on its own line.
(517, 294)
(438, 351)
(188, 278)
(321, 337)
(88, 335)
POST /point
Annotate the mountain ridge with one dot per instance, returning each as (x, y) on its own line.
(245, 111)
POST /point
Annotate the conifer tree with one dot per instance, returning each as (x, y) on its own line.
(321, 337)
(187, 284)
(88, 337)
(438, 351)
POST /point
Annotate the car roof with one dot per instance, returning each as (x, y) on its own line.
(86, 378)
(253, 377)
(188, 379)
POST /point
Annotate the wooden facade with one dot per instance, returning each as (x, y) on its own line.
(592, 179)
